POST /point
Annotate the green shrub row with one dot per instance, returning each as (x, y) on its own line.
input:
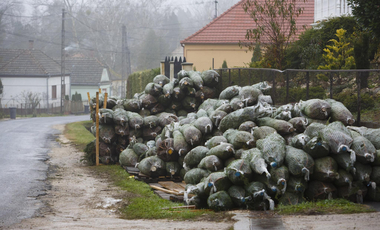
(138, 80)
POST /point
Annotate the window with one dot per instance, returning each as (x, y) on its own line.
(54, 92)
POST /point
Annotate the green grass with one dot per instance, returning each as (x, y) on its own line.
(143, 203)
(78, 134)
(335, 206)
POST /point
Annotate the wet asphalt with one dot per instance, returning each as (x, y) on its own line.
(24, 147)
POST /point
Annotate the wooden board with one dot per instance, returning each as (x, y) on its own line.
(172, 186)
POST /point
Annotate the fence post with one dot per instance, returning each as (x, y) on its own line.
(287, 87)
(307, 85)
(358, 82)
(274, 87)
(331, 85)
(229, 76)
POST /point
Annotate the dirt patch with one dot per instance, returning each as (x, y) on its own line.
(78, 199)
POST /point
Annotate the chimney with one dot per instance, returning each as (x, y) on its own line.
(31, 44)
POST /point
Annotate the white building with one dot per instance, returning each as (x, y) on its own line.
(28, 70)
(324, 9)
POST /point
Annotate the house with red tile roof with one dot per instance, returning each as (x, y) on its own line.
(219, 40)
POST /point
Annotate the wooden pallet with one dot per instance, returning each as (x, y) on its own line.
(147, 179)
(169, 190)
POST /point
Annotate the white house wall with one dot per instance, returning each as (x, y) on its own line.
(15, 86)
(324, 9)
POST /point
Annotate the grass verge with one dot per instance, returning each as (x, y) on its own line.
(335, 206)
(78, 134)
(142, 202)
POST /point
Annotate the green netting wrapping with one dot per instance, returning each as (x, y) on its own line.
(345, 179)
(289, 198)
(214, 141)
(236, 103)
(161, 80)
(296, 185)
(337, 125)
(228, 161)
(238, 196)
(280, 177)
(356, 193)
(186, 82)
(120, 117)
(153, 89)
(151, 133)
(239, 172)
(318, 190)
(217, 116)
(195, 175)
(375, 175)
(300, 140)
(150, 121)
(339, 112)
(247, 126)
(299, 162)
(299, 123)
(257, 162)
(232, 120)
(151, 152)
(148, 101)
(165, 150)
(204, 124)
(281, 126)
(283, 112)
(122, 130)
(182, 73)
(211, 163)
(168, 89)
(166, 119)
(133, 105)
(140, 148)
(325, 169)
(313, 129)
(273, 149)
(179, 143)
(377, 159)
(215, 182)
(192, 135)
(208, 104)
(364, 149)
(374, 194)
(197, 79)
(135, 120)
(230, 92)
(106, 133)
(210, 78)
(128, 158)
(220, 201)
(262, 132)
(363, 172)
(106, 116)
(249, 95)
(316, 109)
(339, 141)
(223, 151)
(373, 135)
(194, 156)
(152, 166)
(262, 86)
(344, 161)
(202, 113)
(226, 107)
(317, 148)
(189, 103)
(173, 168)
(354, 133)
(259, 196)
(239, 139)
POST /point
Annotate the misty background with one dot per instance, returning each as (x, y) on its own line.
(93, 28)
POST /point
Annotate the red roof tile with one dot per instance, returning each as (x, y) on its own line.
(231, 26)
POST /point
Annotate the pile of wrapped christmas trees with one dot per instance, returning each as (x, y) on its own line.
(235, 149)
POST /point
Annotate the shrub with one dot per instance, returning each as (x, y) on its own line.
(138, 80)
(350, 99)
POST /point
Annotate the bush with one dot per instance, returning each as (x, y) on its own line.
(298, 93)
(350, 99)
(138, 80)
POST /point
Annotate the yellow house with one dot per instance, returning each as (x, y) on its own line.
(219, 40)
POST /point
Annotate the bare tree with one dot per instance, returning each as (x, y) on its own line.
(31, 100)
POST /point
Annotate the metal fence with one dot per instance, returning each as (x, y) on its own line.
(25, 109)
(361, 87)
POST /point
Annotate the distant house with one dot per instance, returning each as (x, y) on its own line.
(219, 40)
(88, 75)
(325, 9)
(30, 70)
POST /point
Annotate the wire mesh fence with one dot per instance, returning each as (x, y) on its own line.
(357, 89)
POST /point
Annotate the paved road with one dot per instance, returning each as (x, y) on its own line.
(24, 144)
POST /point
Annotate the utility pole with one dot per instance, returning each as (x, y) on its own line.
(63, 59)
(216, 9)
(125, 62)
